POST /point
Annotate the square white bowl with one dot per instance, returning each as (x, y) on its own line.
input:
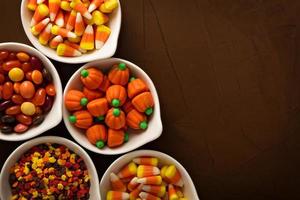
(136, 140)
(54, 116)
(107, 51)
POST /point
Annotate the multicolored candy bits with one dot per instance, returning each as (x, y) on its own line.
(72, 27)
(49, 171)
(145, 178)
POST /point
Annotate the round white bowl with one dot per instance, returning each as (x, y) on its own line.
(136, 140)
(54, 116)
(189, 189)
(5, 190)
(107, 51)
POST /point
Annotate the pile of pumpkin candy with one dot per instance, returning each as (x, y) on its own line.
(109, 104)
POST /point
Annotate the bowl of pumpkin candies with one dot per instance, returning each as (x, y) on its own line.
(111, 106)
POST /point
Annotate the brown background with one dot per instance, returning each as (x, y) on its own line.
(228, 76)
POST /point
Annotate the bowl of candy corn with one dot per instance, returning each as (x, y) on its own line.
(31, 93)
(147, 174)
(49, 168)
(111, 106)
(74, 31)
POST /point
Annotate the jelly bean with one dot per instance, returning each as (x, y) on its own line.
(1, 89)
(3, 55)
(46, 75)
(17, 88)
(12, 56)
(38, 110)
(50, 89)
(7, 91)
(5, 104)
(2, 78)
(24, 57)
(24, 119)
(27, 89)
(28, 108)
(20, 128)
(8, 119)
(13, 110)
(17, 99)
(36, 63)
(38, 119)
(26, 67)
(8, 65)
(16, 74)
(6, 129)
(37, 77)
(39, 97)
(28, 75)
(48, 104)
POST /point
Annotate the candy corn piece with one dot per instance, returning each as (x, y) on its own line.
(45, 36)
(95, 4)
(116, 195)
(172, 193)
(99, 18)
(37, 29)
(65, 50)
(163, 171)
(31, 5)
(87, 40)
(102, 34)
(147, 170)
(77, 39)
(128, 171)
(148, 196)
(133, 184)
(55, 42)
(54, 6)
(146, 161)
(159, 191)
(80, 7)
(60, 19)
(65, 5)
(116, 183)
(56, 30)
(79, 25)
(71, 20)
(151, 180)
(75, 46)
(173, 176)
(135, 193)
(40, 1)
(40, 13)
(108, 6)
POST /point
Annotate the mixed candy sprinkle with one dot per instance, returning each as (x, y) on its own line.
(49, 171)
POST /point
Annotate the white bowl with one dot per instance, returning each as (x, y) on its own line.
(154, 129)
(107, 51)
(5, 190)
(54, 116)
(189, 189)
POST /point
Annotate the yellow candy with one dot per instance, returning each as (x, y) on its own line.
(108, 6)
(75, 40)
(99, 18)
(65, 5)
(16, 74)
(28, 108)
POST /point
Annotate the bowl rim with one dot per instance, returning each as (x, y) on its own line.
(159, 127)
(57, 139)
(58, 97)
(72, 60)
(144, 152)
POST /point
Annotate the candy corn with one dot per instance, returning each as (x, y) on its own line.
(147, 170)
(71, 20)
(65, 5)
(75, 46)
(87, 40)
(133, 184)
(40, 1)
(55, 42)
(146, 161)
(80, 7)
(45, 35)
(77, 39)
(128, 171)
(37, 29)
(163, 171)
(173, 176)
(150, 180)
(60, 20)
(32, 4)
(102, 34)
(135, 193)
(94, 5)
(40, 13)
(79, 25)
(108, 6)
(116, 195)
(172, 193)
(159, 191)
(99, 18)
(65, 50)
(54, 6)
(116, 183)
(147, 196)
(56, 30)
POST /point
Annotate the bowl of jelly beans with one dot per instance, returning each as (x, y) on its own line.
(30, 93)
(49, 167)
(76, 31)
(147, 174)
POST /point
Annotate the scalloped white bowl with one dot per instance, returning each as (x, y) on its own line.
(5, 190)
(136, 140)
(55, 114)
(107, 51)
(189, 189)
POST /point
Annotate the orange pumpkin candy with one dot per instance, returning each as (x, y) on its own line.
(81, 119)
(116, 95)
(91, 78)
(143, 103)
(119, 74)
(115, 118)
(91, 94)
(105, 84)
(135, 87)
(136, 120)
(97, 135)
(75, 100)
(98, 107)
(116, 137)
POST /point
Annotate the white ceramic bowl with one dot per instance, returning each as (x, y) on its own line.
(136, 140)
(5, 190)
(189, 189)
(54, 116)
(107, 51)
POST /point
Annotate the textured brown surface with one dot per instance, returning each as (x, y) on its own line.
(227, 72)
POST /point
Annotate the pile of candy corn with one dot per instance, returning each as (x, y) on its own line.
(144, 179)
(72, 27)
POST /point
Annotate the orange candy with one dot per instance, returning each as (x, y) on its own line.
(39, 97)
(7, 90)
(27, 89)
(37, 77)
(50, 90)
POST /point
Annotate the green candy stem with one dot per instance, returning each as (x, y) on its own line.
(115, 102)
(72, 119)
(84, 101)
(126, 137)
(122, 66)
(100, 144)
(143, 125)
(116, 112)
(84, 73)
(149, 111)
(132, 78)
